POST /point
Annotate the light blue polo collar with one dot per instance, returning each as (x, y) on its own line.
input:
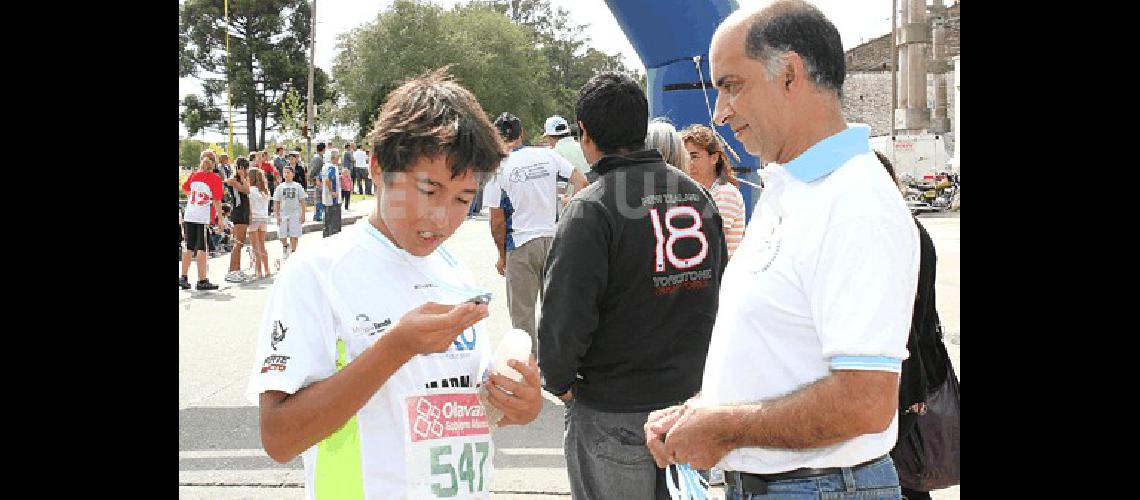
(827, 155)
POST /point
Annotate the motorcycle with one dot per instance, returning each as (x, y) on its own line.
(930, 195)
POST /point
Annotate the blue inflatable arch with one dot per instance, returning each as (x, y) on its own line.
(667, 35)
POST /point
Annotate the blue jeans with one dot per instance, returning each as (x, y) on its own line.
(878, 480)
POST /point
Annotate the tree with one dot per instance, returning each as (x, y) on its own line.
(572, 62)
(198, 114)
(268, 52)
(292, 116)
(521, 56)
(489, 55)
(190, 149)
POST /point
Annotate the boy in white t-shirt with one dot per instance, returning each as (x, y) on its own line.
(289, 205)
(369, 358)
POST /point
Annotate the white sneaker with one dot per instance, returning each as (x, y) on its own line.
(234, 277)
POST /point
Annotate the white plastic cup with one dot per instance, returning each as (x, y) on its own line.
(515, 344)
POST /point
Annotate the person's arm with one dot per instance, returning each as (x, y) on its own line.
(570, 310)
(499, 234)
(578, 180)
(567, 170)
(218, 215)
(864, 341)
(303, 207)
(492, 196)
(238, 184)
(291, 423)
(837, 408)
(216, 194)
(277, 203)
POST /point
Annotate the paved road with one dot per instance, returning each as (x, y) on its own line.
(219, 452)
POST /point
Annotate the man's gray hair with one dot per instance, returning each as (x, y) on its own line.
(797, 26)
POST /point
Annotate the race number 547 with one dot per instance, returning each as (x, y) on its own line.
(664, 246)
(463, 472)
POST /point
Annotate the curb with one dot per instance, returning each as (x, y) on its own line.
(315, 226)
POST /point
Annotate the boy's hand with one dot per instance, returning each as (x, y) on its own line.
(432, 327)
(524, 402)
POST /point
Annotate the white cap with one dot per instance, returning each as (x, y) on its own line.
(556, 125)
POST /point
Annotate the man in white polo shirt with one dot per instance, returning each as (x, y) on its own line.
(800, 388)
(523, 198)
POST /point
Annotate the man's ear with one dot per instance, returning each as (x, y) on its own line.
(794, 73)
(374, 166)
(583, 136)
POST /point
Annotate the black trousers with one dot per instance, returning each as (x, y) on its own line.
(332, 220)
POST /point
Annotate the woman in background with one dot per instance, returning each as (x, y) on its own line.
(709, 166)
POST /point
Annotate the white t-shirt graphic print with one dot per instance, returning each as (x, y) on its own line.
(289, 194)
(528, 178)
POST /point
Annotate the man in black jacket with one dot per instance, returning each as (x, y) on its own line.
(631, 288)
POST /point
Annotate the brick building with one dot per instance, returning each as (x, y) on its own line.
(867, 88)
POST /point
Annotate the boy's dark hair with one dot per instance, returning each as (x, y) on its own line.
(287, 167)
(614, 111)
(431, 115)
(279, 149)
(320, 147)
(242, 162)
(509, 126)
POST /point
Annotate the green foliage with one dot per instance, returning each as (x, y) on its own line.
(190, 149)
(292, 114)
(198, 113)
(268, 55)
(514, 55)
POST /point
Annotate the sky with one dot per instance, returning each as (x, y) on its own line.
(857, 21)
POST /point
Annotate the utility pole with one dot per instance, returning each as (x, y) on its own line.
(309, 102)
(894, 65)
(229, 96)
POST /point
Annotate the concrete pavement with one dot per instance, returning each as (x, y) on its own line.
(220, 455)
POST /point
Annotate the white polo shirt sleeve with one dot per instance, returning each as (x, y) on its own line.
(861, 302)
(296, 344)
(492, 193)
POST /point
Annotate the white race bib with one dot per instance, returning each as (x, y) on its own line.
(448, 445)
